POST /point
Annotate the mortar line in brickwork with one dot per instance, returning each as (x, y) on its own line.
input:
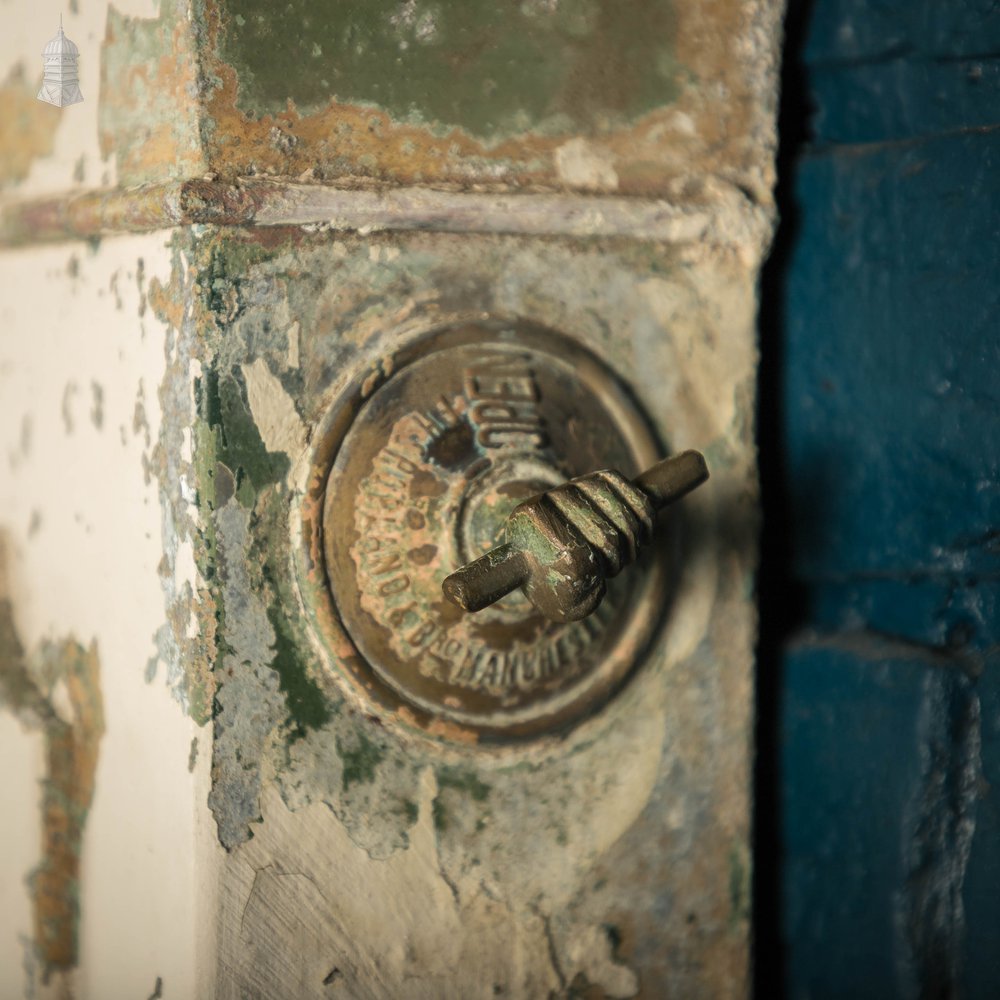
(728, 218)
(877, 647)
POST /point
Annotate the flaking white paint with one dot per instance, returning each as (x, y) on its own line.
(583, 165)
(91, 571)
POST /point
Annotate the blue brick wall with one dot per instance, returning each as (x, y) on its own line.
(881, 775)
(881, 597)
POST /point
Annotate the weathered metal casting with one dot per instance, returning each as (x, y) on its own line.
(561, 546)
(479, 418)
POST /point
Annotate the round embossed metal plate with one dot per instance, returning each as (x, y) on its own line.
(476, 419)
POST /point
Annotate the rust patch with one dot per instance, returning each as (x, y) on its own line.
(695, 110)
(167, 301)
(710, 119)
(72, 726)
(148, 115)
(27, 127)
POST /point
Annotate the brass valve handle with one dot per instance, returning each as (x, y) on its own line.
(561, 546)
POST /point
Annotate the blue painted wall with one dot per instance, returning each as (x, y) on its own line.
(879, 857)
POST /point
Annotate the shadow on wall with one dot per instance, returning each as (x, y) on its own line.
(780, 603)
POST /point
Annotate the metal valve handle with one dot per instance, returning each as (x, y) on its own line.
(561, 546)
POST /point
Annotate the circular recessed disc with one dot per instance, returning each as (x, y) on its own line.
(422, 482)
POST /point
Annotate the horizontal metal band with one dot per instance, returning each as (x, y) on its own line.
(724, 217)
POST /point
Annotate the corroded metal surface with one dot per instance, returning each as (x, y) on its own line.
(651, 98)
(639, 98)
(560, 547)
(484, 416)
(365, 208)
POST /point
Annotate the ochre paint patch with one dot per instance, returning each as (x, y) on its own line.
(148, 110)
(72, 733)
(27, 127)
(71, 750)
(703, 121)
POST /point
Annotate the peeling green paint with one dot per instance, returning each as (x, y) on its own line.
(231, 459)
(489, 69)
(463, 780)
(238, 445)
(260, 664)
(360, 760)
(206, 448)
(440, 815)
(227, 267)
(307, 707)
(267, 697)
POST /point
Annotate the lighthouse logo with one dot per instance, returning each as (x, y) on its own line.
(61, 85)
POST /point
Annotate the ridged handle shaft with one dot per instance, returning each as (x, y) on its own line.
(561, 546)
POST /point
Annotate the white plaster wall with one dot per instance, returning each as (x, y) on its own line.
(84, 524)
